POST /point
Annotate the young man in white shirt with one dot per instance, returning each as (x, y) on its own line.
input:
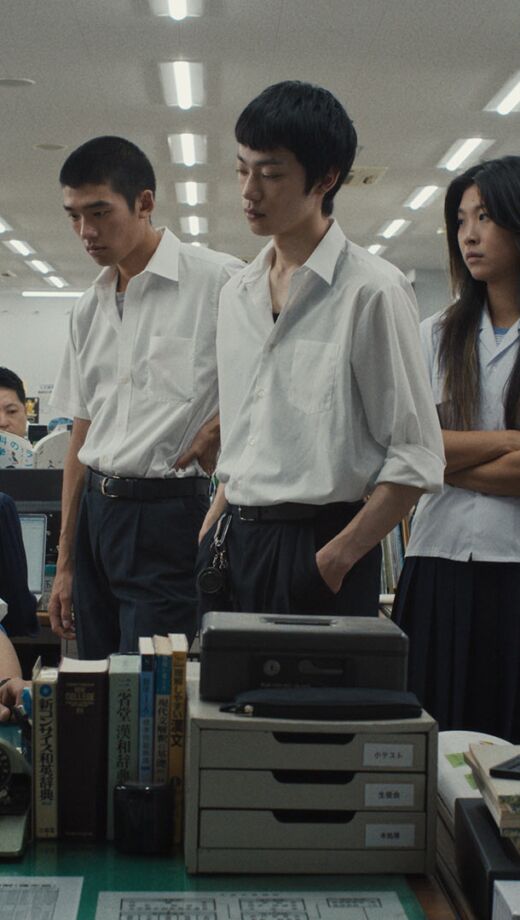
(328, 427)
(139, 379)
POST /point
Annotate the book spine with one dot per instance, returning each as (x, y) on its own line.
(146, 718)
(45, 758)
(123, 736)
(163, 680)
(177, 738)
(82, 754)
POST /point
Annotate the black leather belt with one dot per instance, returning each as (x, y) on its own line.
(286, 511)
(145, 489)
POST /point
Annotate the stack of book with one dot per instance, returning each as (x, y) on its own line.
(502, 796)
(97, 724)
(456, 781)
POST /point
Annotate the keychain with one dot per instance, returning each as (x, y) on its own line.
(212, 579)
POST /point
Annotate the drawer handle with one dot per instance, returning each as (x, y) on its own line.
(316, 777)
(299, 816)
(321, 738)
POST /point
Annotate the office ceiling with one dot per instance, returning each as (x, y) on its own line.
(415, 76)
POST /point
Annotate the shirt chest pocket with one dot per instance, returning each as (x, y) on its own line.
(313, 376)
(170, 370)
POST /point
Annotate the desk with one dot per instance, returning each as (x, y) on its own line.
(104, 869)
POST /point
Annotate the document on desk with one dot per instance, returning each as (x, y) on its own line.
(250, 905)
(45, 897)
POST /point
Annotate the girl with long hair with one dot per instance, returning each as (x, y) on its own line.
(458, 597)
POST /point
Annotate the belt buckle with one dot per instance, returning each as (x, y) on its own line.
(242, 514)
(104, 482)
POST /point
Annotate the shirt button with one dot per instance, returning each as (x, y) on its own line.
(252, 442)
(260, 393)
(124, 379)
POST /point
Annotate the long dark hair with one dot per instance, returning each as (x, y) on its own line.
(498, 182)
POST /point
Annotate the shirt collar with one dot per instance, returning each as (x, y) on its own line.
(322, 261)
(164, 262)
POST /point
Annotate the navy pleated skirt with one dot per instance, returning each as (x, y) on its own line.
(463, 622)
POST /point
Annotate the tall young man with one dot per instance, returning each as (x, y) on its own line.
(324, 398)
(139, 378)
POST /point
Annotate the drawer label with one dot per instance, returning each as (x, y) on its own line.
(387, 755)
(389, 795)
(390, 835)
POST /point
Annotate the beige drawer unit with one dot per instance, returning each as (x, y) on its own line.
(328, 789)
(286, 796)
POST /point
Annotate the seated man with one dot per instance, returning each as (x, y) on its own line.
(11, 683)
(13, 417)
(21, 619)
(324, 398)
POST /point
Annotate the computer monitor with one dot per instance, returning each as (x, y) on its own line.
(34, 534)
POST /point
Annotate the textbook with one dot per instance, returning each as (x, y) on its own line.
(502, 796)
(179, 648)
(82, 747)
(45, 751)
(123, 726)
(163, 686)
(146, 709)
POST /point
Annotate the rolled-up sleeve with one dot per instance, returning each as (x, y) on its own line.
(395, 391)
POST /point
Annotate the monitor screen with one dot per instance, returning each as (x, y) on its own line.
(34, 534)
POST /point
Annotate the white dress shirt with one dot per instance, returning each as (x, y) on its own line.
(146, 380)
(334, 397)
(458, 523)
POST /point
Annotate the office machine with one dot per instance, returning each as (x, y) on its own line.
(243, 651)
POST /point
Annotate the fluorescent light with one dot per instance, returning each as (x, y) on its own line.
(4, 226)
(191, 193)
(376, 249)
(182, 83)
(177, 9)
(198, 243)
(194, 225)
(393, 228)
(74, 294)
(56, 281)
(507, 99)
(188, 148)
(462, 150)
(38, 266)
(421, 196)
(19, 246)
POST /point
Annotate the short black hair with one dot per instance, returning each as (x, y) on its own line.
(112, 161)
(307, 120)
(11, 381)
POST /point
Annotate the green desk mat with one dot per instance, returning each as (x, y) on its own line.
(105, 869)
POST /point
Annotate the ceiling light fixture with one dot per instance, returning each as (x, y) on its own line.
(191, 193)
(508, 99)
(177, 9)
(376, 249)
(16, 81)
(188, 148)
(393, 228)
(74, 294)
(19, 246)
(4, 226)
(462, 150)
(422, 196)
(56, 281)
(38, 266)
(182, 83)
(194, 225)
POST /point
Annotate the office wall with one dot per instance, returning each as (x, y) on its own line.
(33, 333)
